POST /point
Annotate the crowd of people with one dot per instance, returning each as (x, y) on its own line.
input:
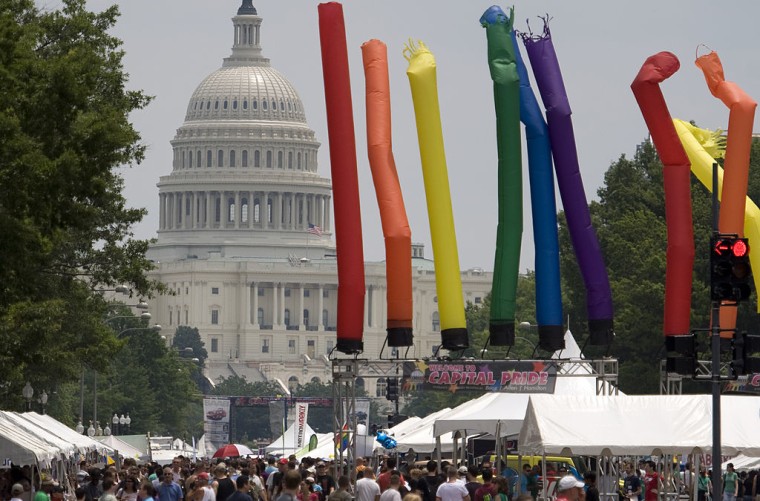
(286, 479)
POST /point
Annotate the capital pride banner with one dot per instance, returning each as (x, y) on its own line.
(482, 375)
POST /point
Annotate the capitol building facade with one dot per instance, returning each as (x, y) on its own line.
(244, 239)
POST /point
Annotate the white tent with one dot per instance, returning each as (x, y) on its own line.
(22, 447)
(64, 447)
(83, 443)
(742, 462)
(325, 448)
(124, 449)
(667, 424)
(286, 444)
(504, 411)
(419, 437)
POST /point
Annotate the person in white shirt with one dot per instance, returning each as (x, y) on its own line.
(366, 487)
(392, 493)
(452, 490)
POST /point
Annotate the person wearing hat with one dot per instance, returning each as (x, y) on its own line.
(325, 480)
(16, 491)
(462, 471)
(202, 491)
(46, 486)
(274, 481)
(570, 488)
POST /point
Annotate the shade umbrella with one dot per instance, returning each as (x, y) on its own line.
(232, 450)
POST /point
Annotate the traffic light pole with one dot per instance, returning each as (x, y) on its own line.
(716, 379)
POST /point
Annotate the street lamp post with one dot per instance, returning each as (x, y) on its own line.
(44, 400)
(28, 393)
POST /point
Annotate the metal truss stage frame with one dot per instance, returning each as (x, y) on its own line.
(345, 372)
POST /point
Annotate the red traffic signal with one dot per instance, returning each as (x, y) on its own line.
(729, 268)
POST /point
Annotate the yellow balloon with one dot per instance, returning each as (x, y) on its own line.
(448, 282)
(703, 147)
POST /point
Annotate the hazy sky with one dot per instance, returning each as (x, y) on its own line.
(171, 45)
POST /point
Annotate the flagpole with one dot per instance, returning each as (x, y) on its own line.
(308, 234)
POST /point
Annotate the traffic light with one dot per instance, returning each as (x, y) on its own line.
(391, 389)
(681, 357)
(730, 270)
(744, 346)
(394, 419)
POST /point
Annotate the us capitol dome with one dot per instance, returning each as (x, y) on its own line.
(244, 239)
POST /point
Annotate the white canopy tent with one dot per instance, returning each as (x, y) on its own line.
(64, 447)
(419, 435)
(22, 447)
(124, 449)
(503, 413)
(286, 444)
(325, 448)
(83, 443)
(672, 424)
(742, 462)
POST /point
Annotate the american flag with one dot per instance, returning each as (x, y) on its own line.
(314, 230)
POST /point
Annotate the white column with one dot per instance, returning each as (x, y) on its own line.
(161, 215)
(282, 305)
(301, 325)
(321, 306)
(278, 211)
(328, 224)
(275, 310)
(237, 213)
(366, 309)
(255, 317)
(170, 210)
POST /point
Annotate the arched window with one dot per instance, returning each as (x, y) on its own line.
(255, 104)
(306, 317)
(290, 160)
(279, 160)
(287, 317)
(217, 209)
(264, 105)
(188, 206)
(282, 106)
(183, 159)
(257, 158)
(198, 159)
(220, 158)
(234, 104)
(225, 104)
(306, 161)
(245, 158)
(230, 209)
(245, 104)
(208, 104)
(190, 159)
(256, 211)
(360, 383)
(260, 316)
(436, 322)
(232, 158)
(274, 105)
(325, 317)
(244, 210)
(292, 380)
(380, 388)
(298, 161)
(269, 159)
(316, 380)
(208, 158)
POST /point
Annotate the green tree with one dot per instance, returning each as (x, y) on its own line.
(630, 222)
(65, 226)
(189, 337)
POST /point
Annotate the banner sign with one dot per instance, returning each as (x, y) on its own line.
(744, 384)
(216, 421)
(505, 376)
(302, 414)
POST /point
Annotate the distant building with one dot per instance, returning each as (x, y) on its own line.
(244, 239)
